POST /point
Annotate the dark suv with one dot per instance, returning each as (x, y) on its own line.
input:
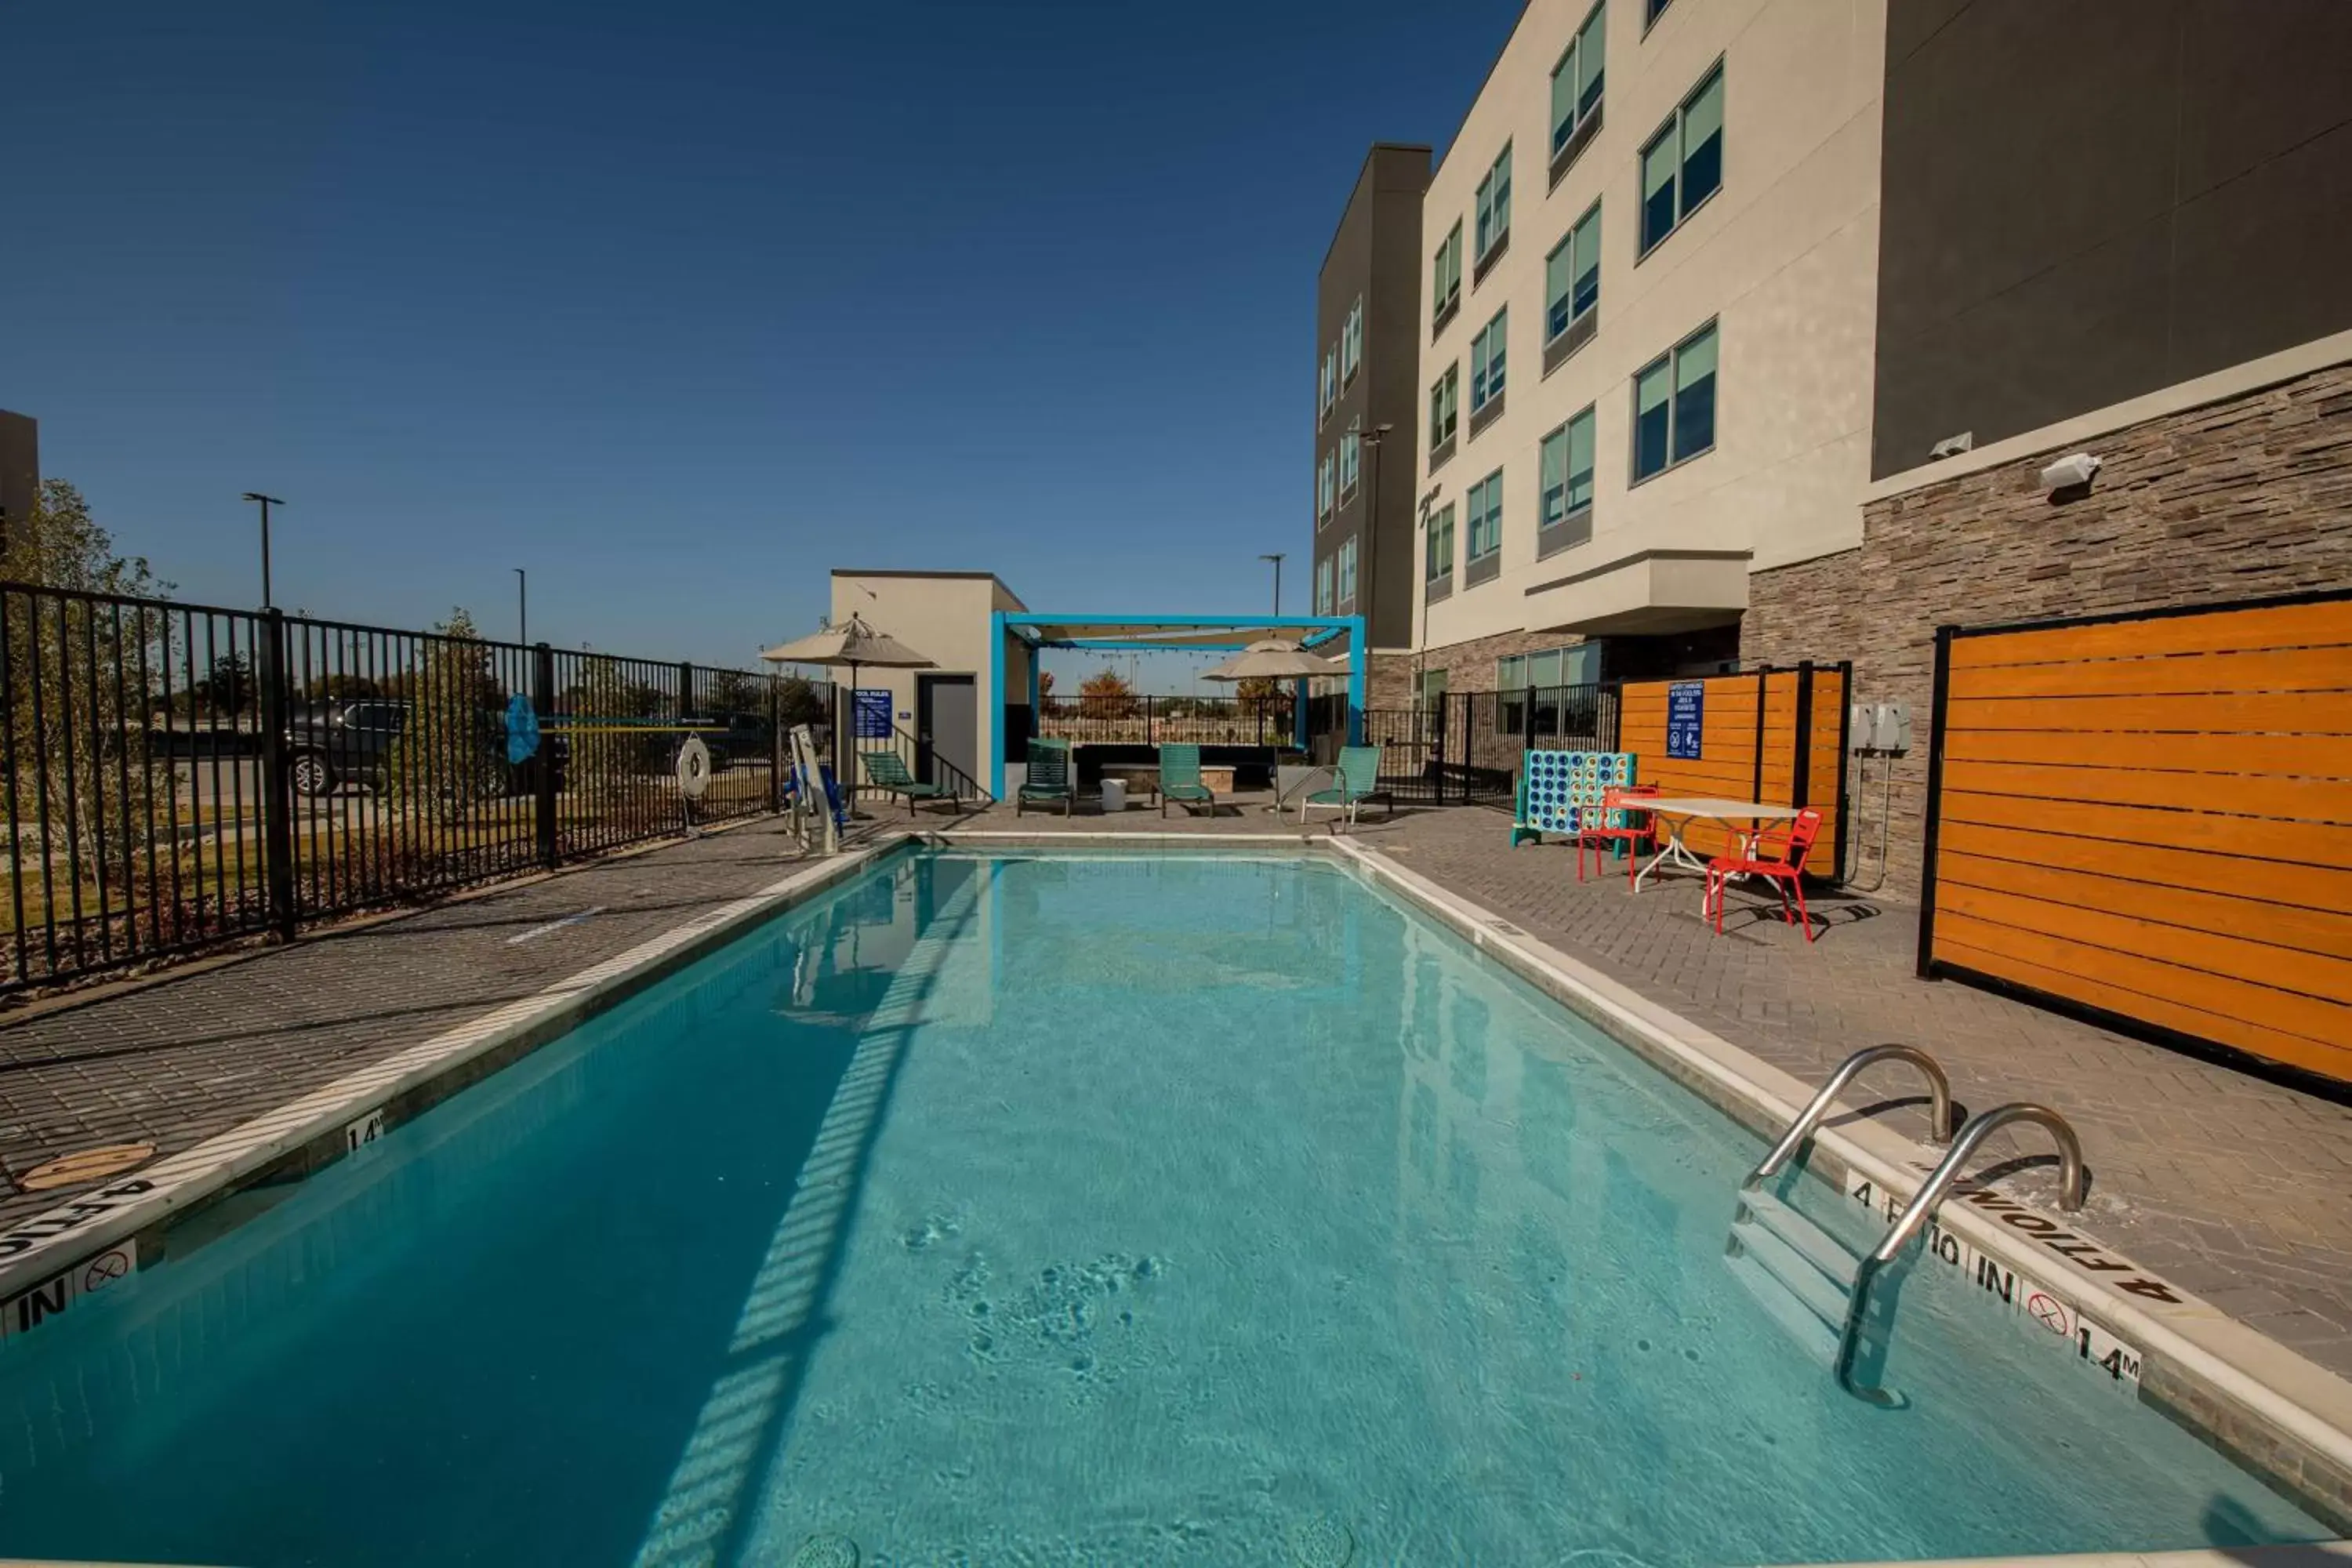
(333, 743)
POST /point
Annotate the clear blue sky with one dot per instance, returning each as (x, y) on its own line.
(681, 306)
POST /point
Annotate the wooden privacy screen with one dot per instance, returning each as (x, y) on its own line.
(1742, 759)
(2152, 818)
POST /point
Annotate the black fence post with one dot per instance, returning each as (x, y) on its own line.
(1800, 764)
(1763, 696)
(685, 695)
(542, 698)
(276, 779)
(1844, 759)
(1939, 699)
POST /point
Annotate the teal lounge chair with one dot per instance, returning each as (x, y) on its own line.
(885, 771)
(1179, 779)
(1359, 780)
(1049, 777)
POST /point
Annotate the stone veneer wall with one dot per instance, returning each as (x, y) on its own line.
(1394, 678)
(2237, 499)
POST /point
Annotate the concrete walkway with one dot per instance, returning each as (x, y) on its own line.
(2237, 1189)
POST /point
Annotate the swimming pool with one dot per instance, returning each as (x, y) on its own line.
(1052, 1209)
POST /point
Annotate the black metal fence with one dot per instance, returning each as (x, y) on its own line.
(1148, 720)
(176, 775)
(1462, 748)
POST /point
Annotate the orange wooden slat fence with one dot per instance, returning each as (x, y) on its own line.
(1743, 759)
(2148, 819)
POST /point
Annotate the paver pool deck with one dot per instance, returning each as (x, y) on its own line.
(2239, 1189)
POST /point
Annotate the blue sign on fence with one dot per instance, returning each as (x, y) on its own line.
(1686, 718)
(873, 715)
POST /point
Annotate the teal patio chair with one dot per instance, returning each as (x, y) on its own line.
(1048, 778)
(1359, 781)
(885, 771)
(1180, 780)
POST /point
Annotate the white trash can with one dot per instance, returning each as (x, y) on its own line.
(1114, 794)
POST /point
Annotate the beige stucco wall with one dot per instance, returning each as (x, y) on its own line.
(1784, 256)
(946, 618)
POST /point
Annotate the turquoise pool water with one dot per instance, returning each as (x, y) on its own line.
(1053, 1211)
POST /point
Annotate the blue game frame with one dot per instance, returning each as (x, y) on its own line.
(1028, 625)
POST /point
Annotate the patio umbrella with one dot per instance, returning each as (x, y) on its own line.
(1273, 659)
(849, 645)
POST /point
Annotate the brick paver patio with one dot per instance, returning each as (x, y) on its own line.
(2239, 1189)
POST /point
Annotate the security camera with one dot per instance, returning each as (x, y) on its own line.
(2069, 471)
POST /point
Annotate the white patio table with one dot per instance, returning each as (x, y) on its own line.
(1678, 811)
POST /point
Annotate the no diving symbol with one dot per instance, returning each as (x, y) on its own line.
(105, 1269)
(2049, 1312)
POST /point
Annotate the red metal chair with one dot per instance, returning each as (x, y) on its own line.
(1784, 867)
(1640, 827)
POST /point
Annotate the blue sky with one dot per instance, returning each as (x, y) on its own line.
(681, 306)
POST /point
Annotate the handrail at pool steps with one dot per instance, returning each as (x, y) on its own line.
(1818, 1287)
(1851, 1344)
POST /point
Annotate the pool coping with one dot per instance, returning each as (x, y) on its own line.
(132, 1215)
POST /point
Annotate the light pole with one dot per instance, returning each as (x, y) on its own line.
(266, 502)
(1277, 559)
(1365, 602)
(522, 607)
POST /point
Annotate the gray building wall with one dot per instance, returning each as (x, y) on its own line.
(1376, 253)
(2085, 202)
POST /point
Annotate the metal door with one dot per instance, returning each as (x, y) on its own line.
(947, 727)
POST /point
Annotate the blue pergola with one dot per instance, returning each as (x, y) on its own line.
(1039, 630)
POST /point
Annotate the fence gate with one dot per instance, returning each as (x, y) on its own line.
(2148, 820)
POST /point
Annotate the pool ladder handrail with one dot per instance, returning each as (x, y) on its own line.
(1932, 1192)
(1940, 1112)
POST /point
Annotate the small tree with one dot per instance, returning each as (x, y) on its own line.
(78, 755)
(799, 702)
(228, 687)
(451, 747)
(1106, 694)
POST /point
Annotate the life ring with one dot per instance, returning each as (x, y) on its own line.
(693, 767)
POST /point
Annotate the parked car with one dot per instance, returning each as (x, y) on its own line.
(730, 737)
(333, 743)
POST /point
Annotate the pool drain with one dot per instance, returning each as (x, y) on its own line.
(1322, 1541)
(826, 1551)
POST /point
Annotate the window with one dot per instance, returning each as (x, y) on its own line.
(1538, 677)
(1445, 280)
(1573, 275)
(1654, 9)
(1486, 361)
(1495, 206)
(1323, 586)
(1352, 459)
(1326, 386)
(1347, 574)
(1674, 405)
(1351, 342)
(1327, 490)
(1441, 543)
(1576, 81)
(1445, 400)
(1433, 688)
(1484, 506)
(1683, 164)
(1566, 489)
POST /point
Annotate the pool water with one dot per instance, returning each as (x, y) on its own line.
(1053, 1210)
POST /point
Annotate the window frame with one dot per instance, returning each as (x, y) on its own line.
(1326, 489)
(1447, 389)
(1352, 463)
(1441, 525)
(1590, 215)
(1495, 382)
(1352, 344)
(1490, 490)
(1551, 532)
(1447, 300)
(1344, 579)
(1671, 362)
(1323, 586)
(1570, 62)
(1674, 125)
(1490, 206)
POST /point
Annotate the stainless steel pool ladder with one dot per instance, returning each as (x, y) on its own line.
(1931, 1193)
(1939, 1115)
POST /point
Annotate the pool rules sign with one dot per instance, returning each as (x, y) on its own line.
(1686, 718)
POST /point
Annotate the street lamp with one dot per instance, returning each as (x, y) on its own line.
(1277, 559)
(266, 502)
(522, 607)
(1365, 601)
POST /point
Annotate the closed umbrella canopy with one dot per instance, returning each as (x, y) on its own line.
(851, 643)
(1273, 660)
